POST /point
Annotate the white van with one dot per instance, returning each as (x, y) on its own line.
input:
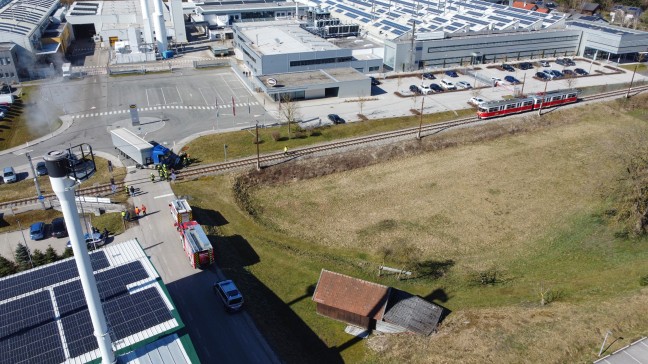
(9, 175)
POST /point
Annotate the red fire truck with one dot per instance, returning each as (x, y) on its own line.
(196, 244)
(181, 211)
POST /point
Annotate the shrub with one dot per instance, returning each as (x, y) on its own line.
(7, 267)
(276, 136)
(488, 277)
(643, 281)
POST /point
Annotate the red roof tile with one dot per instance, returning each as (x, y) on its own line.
(523, 5)
(351, 294)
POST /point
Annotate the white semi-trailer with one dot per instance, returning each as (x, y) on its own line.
(131, 145)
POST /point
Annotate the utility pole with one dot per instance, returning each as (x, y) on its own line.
(523, 82)
(412, 50)
(38, 190)
(258, 164)
(544, 94)
(225, 149)
(418, 136)
(627, 96)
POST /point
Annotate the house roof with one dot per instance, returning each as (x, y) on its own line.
(351, 294)
(524, 5)
(412, 312)
(543, 10)
(637, 352)
(590, 6)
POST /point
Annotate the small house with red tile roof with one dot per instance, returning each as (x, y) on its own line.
(366, 304)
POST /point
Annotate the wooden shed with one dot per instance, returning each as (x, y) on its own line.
(351, 300)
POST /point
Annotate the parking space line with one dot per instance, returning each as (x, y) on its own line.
(203, 96)
(164, 98)
(180, 96)
(147, 98)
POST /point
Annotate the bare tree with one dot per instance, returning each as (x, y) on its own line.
(288, 110)
(570, 81)
(544, 293)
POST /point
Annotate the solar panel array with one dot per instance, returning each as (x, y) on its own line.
(395, 17)
(21, 17)
(44, 317)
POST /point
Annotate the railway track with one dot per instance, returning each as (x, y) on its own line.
(197, 171)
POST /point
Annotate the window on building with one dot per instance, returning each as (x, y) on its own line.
(12, 74)
(372, 69)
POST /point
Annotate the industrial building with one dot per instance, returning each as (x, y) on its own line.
(8, 70)
(451, 33)
(284, 46)
(216, 18)
(136, 29)
(40, 36)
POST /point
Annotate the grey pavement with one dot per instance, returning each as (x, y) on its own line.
(219, 337)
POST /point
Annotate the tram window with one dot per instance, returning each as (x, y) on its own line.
(528, 103)
(510, 106)
(493, 109)
(571, 95)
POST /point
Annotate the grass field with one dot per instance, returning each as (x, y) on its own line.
(209, 149)
(531, 207)
(25, 187)
(29, 118)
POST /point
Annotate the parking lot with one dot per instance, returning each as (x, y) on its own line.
(392, 98)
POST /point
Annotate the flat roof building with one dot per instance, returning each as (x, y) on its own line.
(271, 47)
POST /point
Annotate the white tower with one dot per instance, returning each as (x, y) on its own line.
(146, 22)
(160, 28)
(57, 163)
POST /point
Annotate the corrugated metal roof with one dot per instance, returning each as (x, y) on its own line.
(412, 312)
(168, 350)
(351, 294)
(635, 353)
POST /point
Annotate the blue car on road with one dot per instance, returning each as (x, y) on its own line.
(37, 231)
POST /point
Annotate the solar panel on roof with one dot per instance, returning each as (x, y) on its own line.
(351, 15)
(42, 277)
(468, 19)
(34, 325)
(474, 13)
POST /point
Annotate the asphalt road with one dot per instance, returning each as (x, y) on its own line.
(184, 102)
(219, 337)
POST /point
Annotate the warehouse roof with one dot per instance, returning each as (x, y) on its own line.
(392, 19)
(22, 17)
(278, 37)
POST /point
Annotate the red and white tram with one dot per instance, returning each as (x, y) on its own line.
(493, 109)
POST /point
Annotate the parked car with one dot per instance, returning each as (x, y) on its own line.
(569, 62)
(426, 90)
(525, 66)
(59, 230)
(568, 73)
(41, 169)
(428, 76)
(374, 81)
(512, 80)
(436, 88)
(463, 85)
(549, 74)
(335, 118)
(451, 73)
(560, 61)
(229, 294)
(544, 63)
(415, 89)
(9, 175)
(448, 85)
(37, 231)
(556, 74)
(92, 240)
(543, 76)
(580, 72)
(476, 101)
(508, 67)
(5, 89)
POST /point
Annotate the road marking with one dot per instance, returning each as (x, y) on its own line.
(180, 96)
(162, 90)
(147, 98)
(163, 196)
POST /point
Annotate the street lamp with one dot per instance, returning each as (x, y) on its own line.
(258, 163)
(38, 190)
